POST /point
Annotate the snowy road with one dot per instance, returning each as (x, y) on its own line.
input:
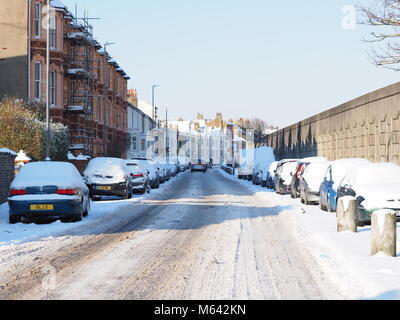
(203, 237)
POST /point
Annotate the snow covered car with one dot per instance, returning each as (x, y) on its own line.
(333, 176)
(283, 176)
(376, 186)
(263, 157)
(199, 166)
(267, 178)
(152, 168)
(48, 189)
(311, 181)
(108, 177)
(296, 178)
(140, 181)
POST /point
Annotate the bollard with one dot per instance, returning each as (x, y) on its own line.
(383, 232)
(347, 214)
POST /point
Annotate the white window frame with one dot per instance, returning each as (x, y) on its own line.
(53, 88)
(53, 33)
(37, 20)
(38, 80)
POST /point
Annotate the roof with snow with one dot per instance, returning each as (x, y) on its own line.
(6, 150)
(58, 4)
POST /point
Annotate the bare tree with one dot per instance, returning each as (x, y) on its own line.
(259, 126)
(385, 16)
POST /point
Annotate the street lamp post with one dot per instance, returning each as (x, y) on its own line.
(47, 80)
(105, 96)
(153, 102)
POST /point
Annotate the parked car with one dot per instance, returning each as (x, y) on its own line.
(108, 177)
(199, 166)
(165, 170)
(152, 169)
(283, 176)
(376, 186)
(48, 189)
(333, 176)
(296, 178)
(311, 181)
(268, 176)
(140, 181)
(263, 157)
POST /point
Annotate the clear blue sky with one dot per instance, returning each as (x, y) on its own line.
(278, 60)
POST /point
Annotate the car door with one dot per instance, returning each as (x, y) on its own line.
(324, 188)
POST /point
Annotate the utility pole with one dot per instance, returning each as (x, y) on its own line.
(153, 102)
(47, 81)
(167, 135)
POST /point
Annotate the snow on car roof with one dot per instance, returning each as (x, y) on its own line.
(48, 173)
(373, 174)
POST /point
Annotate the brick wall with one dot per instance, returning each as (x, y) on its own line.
(6, 174)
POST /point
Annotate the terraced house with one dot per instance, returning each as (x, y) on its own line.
(87, 88)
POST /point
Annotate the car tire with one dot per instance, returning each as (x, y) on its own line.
(14, 219)
(306, 202)
(86, 212)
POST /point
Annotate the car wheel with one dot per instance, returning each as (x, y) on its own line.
(14, 219)
(86, 212)
(306, 202)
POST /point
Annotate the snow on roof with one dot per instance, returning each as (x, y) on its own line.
(6, 150)
(58, 4)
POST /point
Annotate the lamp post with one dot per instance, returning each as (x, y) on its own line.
(153, 102)
(47, 80)
(105, 96)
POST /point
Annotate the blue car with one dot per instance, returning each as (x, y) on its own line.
(334, 175)
(48, 189)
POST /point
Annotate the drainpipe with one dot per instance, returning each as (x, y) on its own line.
(29, 48)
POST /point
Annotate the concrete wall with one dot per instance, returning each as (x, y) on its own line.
(366, 127)
(7, 172)
(14, 48)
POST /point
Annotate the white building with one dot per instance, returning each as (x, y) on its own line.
(139, 126)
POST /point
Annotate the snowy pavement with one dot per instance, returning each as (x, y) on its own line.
(344, 257)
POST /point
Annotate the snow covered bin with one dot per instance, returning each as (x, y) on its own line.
(7, 173)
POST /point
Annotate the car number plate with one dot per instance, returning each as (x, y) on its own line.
(42, 207)
(103, 188)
